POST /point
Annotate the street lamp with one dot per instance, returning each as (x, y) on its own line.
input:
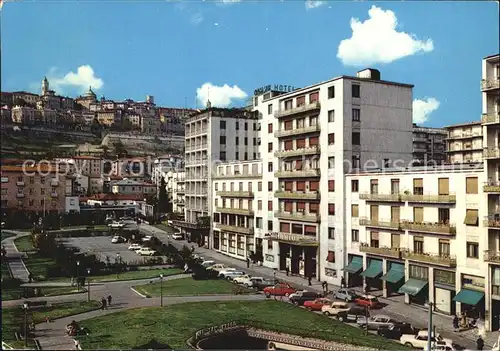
(161, 290)
(88, 285)
(77, 276)
(430, 334)
(25, 307)
(274, 276)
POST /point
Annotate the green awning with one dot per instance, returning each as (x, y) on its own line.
(373, 270)
(469, 297)
(355, 265)
(412, 287)
(395, 274)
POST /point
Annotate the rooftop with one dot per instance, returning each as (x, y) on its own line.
(465, 124)
(445, 168)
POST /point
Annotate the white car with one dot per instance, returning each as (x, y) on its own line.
(419, 341)
(178, 236)
(207, 264)
(218, 267)
(145, 251)
(232, 274)
(118, 239)
(224, 271)
(134, 247)
(116, 225)
(335, 308)
(147, 238)
(242, 279)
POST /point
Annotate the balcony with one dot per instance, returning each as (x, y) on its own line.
(491, 153)
(298, 216)
(192, 225)
(492, 221)
(54, 182)
(420, 139)
(54, 194)
(380, 251)
(464, 135)
(492, 256)
(368, 222)
(490, 118)
(235, 193)
(437, 228)
(439, 260)
(237, 211)
(304, 130)
(302, 240)
(490, 84)
(381, 197)
(312, 195)
(437, 199)
(298, 174)
(491, 187)
(237, 176)
(297, 110)
(314, 150)
(20, 195)
(235, 229)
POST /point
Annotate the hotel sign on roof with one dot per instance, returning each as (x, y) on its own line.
(276, 87)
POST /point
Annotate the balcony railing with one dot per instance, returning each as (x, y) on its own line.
(20, 183)
(235, 193)
(298, 216)
(235, 229)
(296, 110)
(368, 222)
(54, 182)
(491, 187)
(492, 83)
(493, 152)
(304, 130)
(381, 197)
(312, 195)
(439, 228)
(54, 194)
(492, 256)
(464, 135)
(380, 251)
(238, 211)
(20, 195)
(492, 221)
(440, 260)
(314, 150)
(490, 118)
(237, 176)
(451, 198)
(298, 174)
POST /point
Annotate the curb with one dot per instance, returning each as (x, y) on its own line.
(138, 293)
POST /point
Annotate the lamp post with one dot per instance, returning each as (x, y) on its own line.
(117, 265)
(88, 284)
(25, 307)
(77, 276)
(161, 290)
(274, 276)
(430, 333)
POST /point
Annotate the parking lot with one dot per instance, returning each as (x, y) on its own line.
(101, 246)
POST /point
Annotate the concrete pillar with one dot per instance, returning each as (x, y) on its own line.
(384, 272)
(431, 297)
(245, 252)
(407, 276)
(365, 265)
(488, 316)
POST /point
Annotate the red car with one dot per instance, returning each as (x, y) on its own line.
(316, 304)
(281, 289)
(367, 301)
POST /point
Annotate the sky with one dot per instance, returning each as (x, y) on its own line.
(183, 52)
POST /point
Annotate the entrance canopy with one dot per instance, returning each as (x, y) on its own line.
(395, 274)
(469, 297)
(373, 270)
(412, 287)
(355, 265)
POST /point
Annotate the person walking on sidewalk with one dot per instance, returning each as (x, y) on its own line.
(103, 303)
(287, 270)
(342, 282)
(455, 323)
(109, 300)
(325, 288)
(248, 262)
(309, 279)
(480, 343)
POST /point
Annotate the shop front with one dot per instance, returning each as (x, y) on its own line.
(353, 269)
(444, 291)
(417, 287)
(495, 298)
(394, 277)
(471, 296)
(372, 274)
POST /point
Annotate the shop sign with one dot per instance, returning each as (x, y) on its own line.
(276, 87)
(331, 272)
(470, 281)
(289, 237)
(269, 258)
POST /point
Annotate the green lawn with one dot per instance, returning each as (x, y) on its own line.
(24, 244)
(190, 287)
(140, 274)
(173, 325)
(38, 265)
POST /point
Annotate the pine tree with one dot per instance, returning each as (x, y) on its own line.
(163, 201)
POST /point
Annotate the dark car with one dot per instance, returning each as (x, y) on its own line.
(394, 332)
(259, 284)
(352, 315)
(298, 298)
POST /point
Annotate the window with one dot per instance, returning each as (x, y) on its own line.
(301, 100)
(418, 186)
(288, 206)
(42, 180)
(222, 139)
(443, 186)
(356, 138)
(472, 250)
(288, 125)
(270, 147)
(418, 214)
(222, 125)
(259, 186)
(313, 141)
(246, 141)
(4, 191)
(471, 217)
(331, 233)
(331, 185)
(443, 215)
(288, 104)
(313, 207)
(216, 205)
(222, 156)
(237, 156)
(300, 143)
(374, 186)
(444, 248)
(395, 241)
(354, 235)
(356, 114)
(269, 186)
(246, 156)
(269, 205)
(374, 239)
(246, 125)
(269, 245)
(254, 143)
(331, 138)
(270, 167)
(331, 257)
(419, 272)
(354, 211)
(331, 92)
(258, 222)
(395, 214)
(356, 91)
(471, 185)
(418, 244)
(331, 162)
(354, 185)
(237, 141)
(313, 97)
(259, 205)
(254, 126)
(216, 186)
(331, 209)
(270, 128)
(269, 109)
(270, 225)
(301, 186)
(331, 116)
(237, 125)
(355, 162)
(395, 186)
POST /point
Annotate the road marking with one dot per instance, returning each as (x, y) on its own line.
(138, 293)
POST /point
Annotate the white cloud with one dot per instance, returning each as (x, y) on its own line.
(81, 80)
(196, 19)
(229, 1)
(377, 40)
(219, 96)
(423, 108)
(312, 4)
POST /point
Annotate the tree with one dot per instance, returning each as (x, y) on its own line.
(163, 200)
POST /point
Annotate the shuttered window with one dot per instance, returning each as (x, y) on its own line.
(298, 165)
(310, 230)
(418, 186)
(313, 141)
(288, 145)
(314, 185)
(301, 143)
(313, 207)
(471, 185)
(313, 97)
(374, 212)
(301, 206)
(443, 186)
(395, 214)
(418, 214)
(288, 206)
(471, 217)
(285, 227)
(331, 257)
(374, 236)
(289, 186)
(301, 100)
(354, 211)
(395, 241)
(331, 185)
(331, 209)
(301, 186)
(288, 125)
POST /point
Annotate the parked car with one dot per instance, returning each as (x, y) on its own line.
(335, 308)
(281, 289)
(259, 283)
(147, 238)
(241, 279)
(145, 251)
(317, 304)
(352, 315)
(299, 297)
(395, 331)
(178, 236)
(419, 341)
(222, 272)
(134, 247)
(116, 225)
(345, 294)
(375, 322)
(218, 267)
(207, 263)
(118, 239)
(233, 274)
(367, 301)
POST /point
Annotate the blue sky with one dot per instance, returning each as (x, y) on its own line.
(170, 49)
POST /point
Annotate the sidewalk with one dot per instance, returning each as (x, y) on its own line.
(14, 260)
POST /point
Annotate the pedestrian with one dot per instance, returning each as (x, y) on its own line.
(342, 282)
(325, 287)
(103, 303)
(248, 262)
(192, 249)
(309, 278)
(287, 270)
(479, 343)
(30, 277)
(109, 300)
(455, 323)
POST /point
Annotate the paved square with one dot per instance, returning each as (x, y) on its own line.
(101, 246)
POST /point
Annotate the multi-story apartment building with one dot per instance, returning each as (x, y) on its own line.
(131, 187)
(464, 143)
(310, 139)
(89, 171)
(429, 145)
(176, 189)
(238, 209)
(490, 87)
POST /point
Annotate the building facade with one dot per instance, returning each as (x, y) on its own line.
(429, 145)
(464, 143)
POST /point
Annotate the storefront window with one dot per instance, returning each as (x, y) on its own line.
(419, 272)
(444, 277)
